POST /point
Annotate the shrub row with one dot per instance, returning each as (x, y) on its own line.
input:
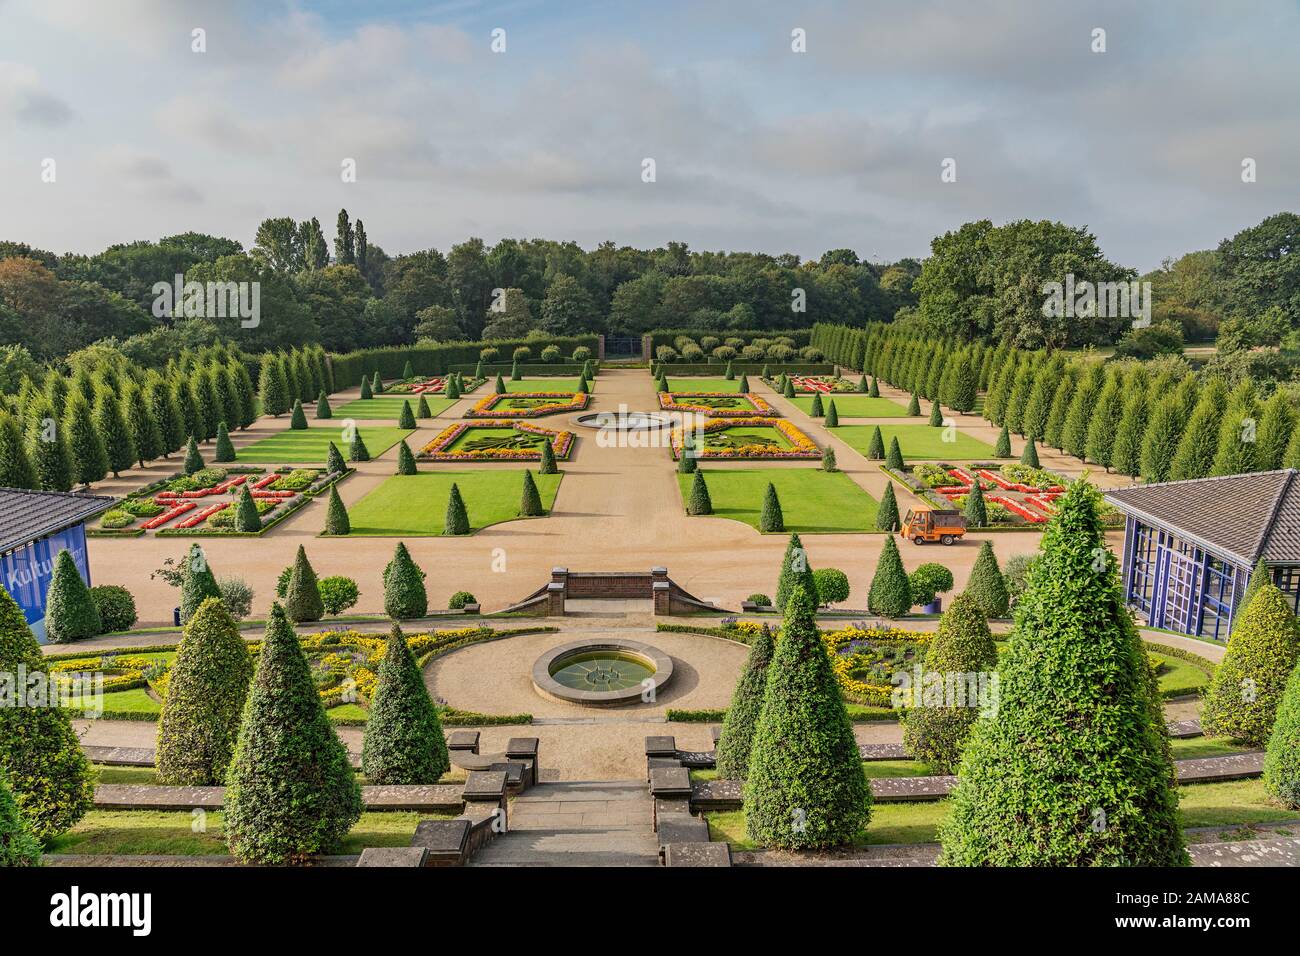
(437, 359)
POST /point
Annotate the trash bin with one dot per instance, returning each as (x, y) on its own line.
(176, 616)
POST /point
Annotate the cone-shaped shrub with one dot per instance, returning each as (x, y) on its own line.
(18, 846)
(408, 370)
(225, 450)
(936, 415)
(1282, 758)
(1259, 575)
(743, 387)
(406, 418)
(422, 409)
(737, 737)
(112, 428)
(832, 416)
(246, 516)
(357, 450)
(874, 390)
(828, 459)
(298, 418)
(771, 519)
(795, 569)
(1030, 455)
(876, 447)
(404, 742)
(530, 501)
(730, 374)
(699, 503)
(302, 601)
(323, 409)
(894, 460)
(977, 512)
(1074, 769)
(1242, 699)
(193, 460)
(914, 406)
(891, 593)
(548, 459)
(336, 515)
(662, 384)
(788, 389)
(89, 457)
(806, 789)
(405, 460)
(16, 469)
(963, 654)
(377, 384)
(514, 371)
(452, 388)
(39, 751)
(457, 521)
(1003, 448)
(404, 596)
(197, 582)
(206, 689)
(366, 391)
(500, 386)
(334, 463)
(686, 461)
(816, 411)
(290, 792)
(583, 387)
(986, 584)
(70, 610)
(887, 513)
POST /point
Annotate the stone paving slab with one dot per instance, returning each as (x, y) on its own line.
(900, 789)
(439, 798)
(1229, 767)
(1182, 729)
(1284, 851)
(121, 756)
(697, 854)
(883, 752)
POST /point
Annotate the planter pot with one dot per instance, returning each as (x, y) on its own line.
(934, 607)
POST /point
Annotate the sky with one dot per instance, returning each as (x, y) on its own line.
(755, 146)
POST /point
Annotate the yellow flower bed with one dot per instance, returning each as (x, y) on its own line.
(802, 446)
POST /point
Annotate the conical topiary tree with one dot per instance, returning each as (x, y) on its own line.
(547, 466)
(246, 517)
(936, 415)
(806, 789)
(193, 460)
(894, 460)
(70, 610)
(302, 600)
(406, 418)
(771, 519)
(206, 689)
(422, 409)
(686, 460)
(404, 742)
(795, 569)
(357, 450)
(298, 418)
(39, 750)
(530, 500)
(16, 469)
(1282, 758)
(18, 846)
(1259, 575)
(816, 410)
(828, 459)
(699, 502)
(408, 371)
(1242, 699)
(457, 521)
(874, 391)
(737, 737)
(1003, 448)
(452, 387)
(832, 415)
(976, 511)
(914, 406)
(499, 386)
(730, 374)
(290, 792)
(366, 391)
(89, 458)
(743, 387)
(225, 449)
(986, 584)
(891, 593)
(887, 513)
(876, 447)
(334, 463)
(377, 384)
(405, 460)
(1030, 455)
(963, 654)
(336, 515)
(112, 428)
(1077, 702)
(404, 596)
(197, 582)
(323, 409)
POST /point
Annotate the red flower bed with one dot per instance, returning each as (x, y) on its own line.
(263, 482)
(1017, 508)
(203, 515)
(167, 516)
(962, 475)
(277, 495)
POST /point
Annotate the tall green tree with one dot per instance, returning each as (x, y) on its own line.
(891, 593)
(70, 611)
(736, 740)
(110, 425)
(404, 742)
(302, 600)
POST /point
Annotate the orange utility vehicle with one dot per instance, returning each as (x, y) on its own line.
(930, 524)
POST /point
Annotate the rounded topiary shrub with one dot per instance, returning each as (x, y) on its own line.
(928, 582)
(737, 736)
(116, 607)
(206, 689)
(832, 586)
(403, 743)
(338, 593)
(459, 600)
(762, 600)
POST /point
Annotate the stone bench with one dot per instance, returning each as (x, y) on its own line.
(392, 856)
(1228, 767)
(883, 752)
(716, 795)
(443, 841)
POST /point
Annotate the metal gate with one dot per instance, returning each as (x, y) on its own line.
(622, 346)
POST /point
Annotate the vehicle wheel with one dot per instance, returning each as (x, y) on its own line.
(917, 539)
(947, 539)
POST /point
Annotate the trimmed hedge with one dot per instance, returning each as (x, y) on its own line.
(436, 359)
(737, 738)
(116, 607)
(70, 610)
(1282, 758)
(404, 742)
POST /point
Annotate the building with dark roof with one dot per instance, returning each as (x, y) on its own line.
(1190, 546)
(34, 527)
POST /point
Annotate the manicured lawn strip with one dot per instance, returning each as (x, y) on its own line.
(417, 504)
(133, 701)
(918, 442)
(311, 445)
(1193, 748)
(388, 407)
(1178, 676)
(813, 501)
(688, 383)
(537, 383)
(146, 832)
(850, 405)
(761, 433)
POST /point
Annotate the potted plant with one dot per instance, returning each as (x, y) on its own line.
(928, 582)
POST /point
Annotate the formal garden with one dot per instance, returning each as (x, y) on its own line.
(490, 440)
(745, 438)
(419, 504)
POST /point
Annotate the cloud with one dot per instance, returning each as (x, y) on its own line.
(23, 98)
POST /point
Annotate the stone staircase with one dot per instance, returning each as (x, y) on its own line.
(577, 823)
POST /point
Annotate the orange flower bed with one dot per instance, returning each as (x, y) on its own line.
(803, 446)
(689, 402)
(440, 448)
(563, 402)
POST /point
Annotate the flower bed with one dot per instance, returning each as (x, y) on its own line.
(501, 450)
(421, 385)
(802, 447)
(808, 384)
(717, 404)
(532, 404)
(865, 659)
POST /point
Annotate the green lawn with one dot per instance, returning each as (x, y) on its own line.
(812, 500)
(417, 504)
(134, 701)
(1193, 748)
(738, 435)
(918, 442)
(1178, 676)
(536, 383)
(389, 406)
(689, 383)
(311, 445)
(495, 437)
(855, 405)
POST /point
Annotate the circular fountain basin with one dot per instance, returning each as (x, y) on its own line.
(602, 673)
(625, 421)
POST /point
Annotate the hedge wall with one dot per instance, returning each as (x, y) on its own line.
(437, 359)
(659, 337)
(742, 368)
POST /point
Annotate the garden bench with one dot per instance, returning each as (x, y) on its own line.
(392, 856)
